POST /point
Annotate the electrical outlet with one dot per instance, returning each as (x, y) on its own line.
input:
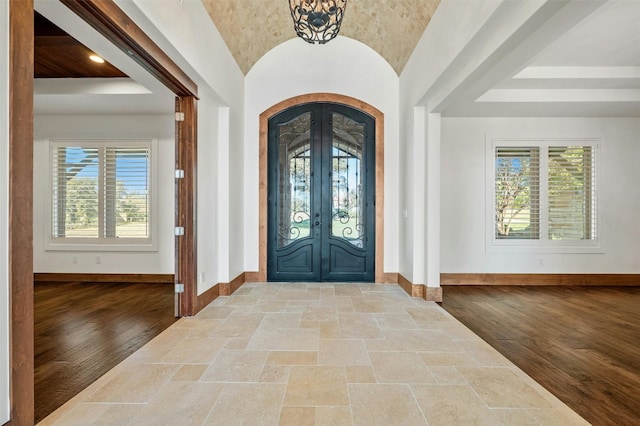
(98, 259)
(74, 259)
(201, 277)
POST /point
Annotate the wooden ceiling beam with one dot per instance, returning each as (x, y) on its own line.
(44, 41)
(111, 21)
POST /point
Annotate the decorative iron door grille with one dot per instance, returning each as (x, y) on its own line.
(321, 194)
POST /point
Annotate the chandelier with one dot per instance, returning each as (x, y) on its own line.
(317, 21)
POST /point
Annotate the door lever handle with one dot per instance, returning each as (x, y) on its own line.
(318, 223)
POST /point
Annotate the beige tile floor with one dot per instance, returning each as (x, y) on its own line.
(316, 354)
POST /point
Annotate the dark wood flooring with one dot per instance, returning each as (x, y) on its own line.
(580, 343)
(82, 330)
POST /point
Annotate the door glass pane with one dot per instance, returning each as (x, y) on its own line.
(347, 180)
(294, 195)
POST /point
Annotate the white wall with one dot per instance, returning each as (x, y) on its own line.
(450, 30)
(160, 127)
(464, 208)
(209, 263)
(237, 184)
(346, 67)
(4, 212)
(185, 32)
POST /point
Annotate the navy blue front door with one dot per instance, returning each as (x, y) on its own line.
(321, 194)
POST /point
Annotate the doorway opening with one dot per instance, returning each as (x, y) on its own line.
(107, 185)
(321, 204)
(116, 26)
(376, 186)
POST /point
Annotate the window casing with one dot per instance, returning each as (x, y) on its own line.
(542, 195)
(102, 195)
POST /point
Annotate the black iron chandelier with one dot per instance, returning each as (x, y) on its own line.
(317, 21)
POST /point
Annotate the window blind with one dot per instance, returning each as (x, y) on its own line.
(571, 193)
(100, 191)
(126, 184)
(517, 192)
(75, 192)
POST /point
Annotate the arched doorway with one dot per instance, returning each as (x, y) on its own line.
(378, 117)
(321, 194)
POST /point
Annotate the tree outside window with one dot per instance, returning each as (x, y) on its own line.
(559, 178)
(100, 191)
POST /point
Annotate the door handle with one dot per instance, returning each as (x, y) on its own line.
(317, 223)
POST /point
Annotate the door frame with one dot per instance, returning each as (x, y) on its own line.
(20, 247)
(378, 116)
(317, 249)
(108, 18)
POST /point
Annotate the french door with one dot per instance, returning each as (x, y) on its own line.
(321, 194)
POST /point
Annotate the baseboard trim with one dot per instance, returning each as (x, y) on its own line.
(104, 278)
(253, 277)
(390, 278)
(227, 289)
(220, 289)
(626, 280)
(207, 297)
(431, 294)
(407, 286)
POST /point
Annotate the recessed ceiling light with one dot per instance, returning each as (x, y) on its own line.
(96, 58)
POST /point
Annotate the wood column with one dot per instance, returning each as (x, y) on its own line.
(186, 203)
(21, 210)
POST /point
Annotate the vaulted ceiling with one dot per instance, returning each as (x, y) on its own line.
(251, 28)
(590, 66)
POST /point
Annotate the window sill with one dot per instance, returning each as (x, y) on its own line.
(517, 247)
(106, 247)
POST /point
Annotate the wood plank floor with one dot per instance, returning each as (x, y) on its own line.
(82, 330)
(580, 343)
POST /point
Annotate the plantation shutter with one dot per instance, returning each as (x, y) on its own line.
(126, 194)
(571, 193)
(517, 192)
(100, 191)
(75, 192)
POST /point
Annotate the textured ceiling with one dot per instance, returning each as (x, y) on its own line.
(251, 28)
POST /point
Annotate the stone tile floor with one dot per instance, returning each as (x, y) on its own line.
(316, 354)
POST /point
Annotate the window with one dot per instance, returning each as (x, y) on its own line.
(517, 192)
(101, 192)
(543, 193)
